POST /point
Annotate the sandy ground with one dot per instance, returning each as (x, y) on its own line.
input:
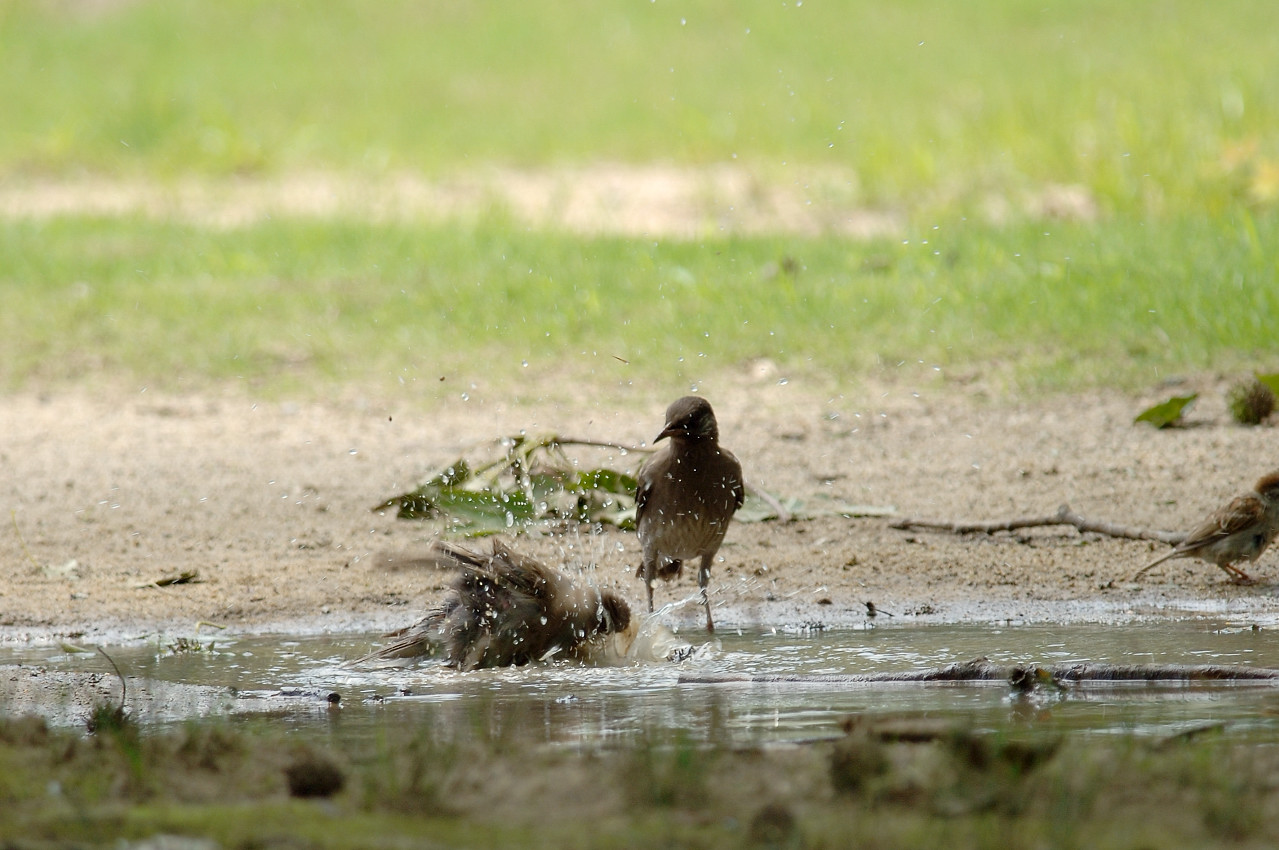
(604, 197)
(269, 502)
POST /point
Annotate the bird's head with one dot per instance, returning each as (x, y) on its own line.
(1268, 487)
(690, 418)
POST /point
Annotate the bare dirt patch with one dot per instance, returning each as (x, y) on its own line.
(269, 503)
(609, 198)
(684, 202)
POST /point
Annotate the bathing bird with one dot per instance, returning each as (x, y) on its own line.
(688, 491)
(506, 609)
(1240, 530)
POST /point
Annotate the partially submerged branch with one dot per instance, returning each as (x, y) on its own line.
(1019, 676)
(1063, 516)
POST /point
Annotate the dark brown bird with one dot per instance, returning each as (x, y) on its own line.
(688, 492)
(1240, 530)
(505, 609)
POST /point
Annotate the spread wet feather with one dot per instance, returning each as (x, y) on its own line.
(507, 609)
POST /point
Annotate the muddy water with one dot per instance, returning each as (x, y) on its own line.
(288, 681)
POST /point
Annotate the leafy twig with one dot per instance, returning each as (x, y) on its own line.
(534, 480)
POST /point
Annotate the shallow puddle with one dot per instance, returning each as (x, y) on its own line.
(289, 680)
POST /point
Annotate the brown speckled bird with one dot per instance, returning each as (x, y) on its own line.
(506, 609)
(1238, 531)
(688, 491)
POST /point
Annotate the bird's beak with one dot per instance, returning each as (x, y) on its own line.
(668, 431)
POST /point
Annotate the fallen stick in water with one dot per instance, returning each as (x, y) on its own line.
(1020, 676)
(1064, 516)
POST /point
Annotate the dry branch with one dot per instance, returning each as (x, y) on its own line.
(1064, 516)
(769, 499)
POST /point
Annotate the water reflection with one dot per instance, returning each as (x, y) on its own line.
(566, 705)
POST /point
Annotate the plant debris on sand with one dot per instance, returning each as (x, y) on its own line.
(535, 481)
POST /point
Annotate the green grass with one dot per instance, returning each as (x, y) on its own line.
(227, 782)
(288, 304)
(1139, 102)
(1165, 114)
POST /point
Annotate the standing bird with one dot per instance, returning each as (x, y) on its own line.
(1239, 531)
(687, 494)
(505, 609)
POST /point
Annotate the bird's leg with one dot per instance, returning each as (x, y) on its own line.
(703, 578)
(650, 567)
(1237, 575)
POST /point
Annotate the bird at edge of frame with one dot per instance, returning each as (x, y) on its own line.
(1240, 530)
(688, 492)
(506, 609)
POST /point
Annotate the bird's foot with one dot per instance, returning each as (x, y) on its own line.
(1238, 576)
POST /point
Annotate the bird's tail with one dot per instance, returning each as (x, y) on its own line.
(423, 638)
(1156, 562)
(431, 635)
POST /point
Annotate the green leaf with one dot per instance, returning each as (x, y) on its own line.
(608, 481)
(458, 473)
(1168, 412)
(1271, 380)
(475, 511)
(623, 518)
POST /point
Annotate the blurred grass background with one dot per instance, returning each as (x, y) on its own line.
(1162, 116)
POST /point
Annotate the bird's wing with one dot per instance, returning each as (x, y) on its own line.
(504, 569)
(1242, 512)
(448, 556)
(557, 596)
(643, 491)
(739, 483)
(521, 574)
